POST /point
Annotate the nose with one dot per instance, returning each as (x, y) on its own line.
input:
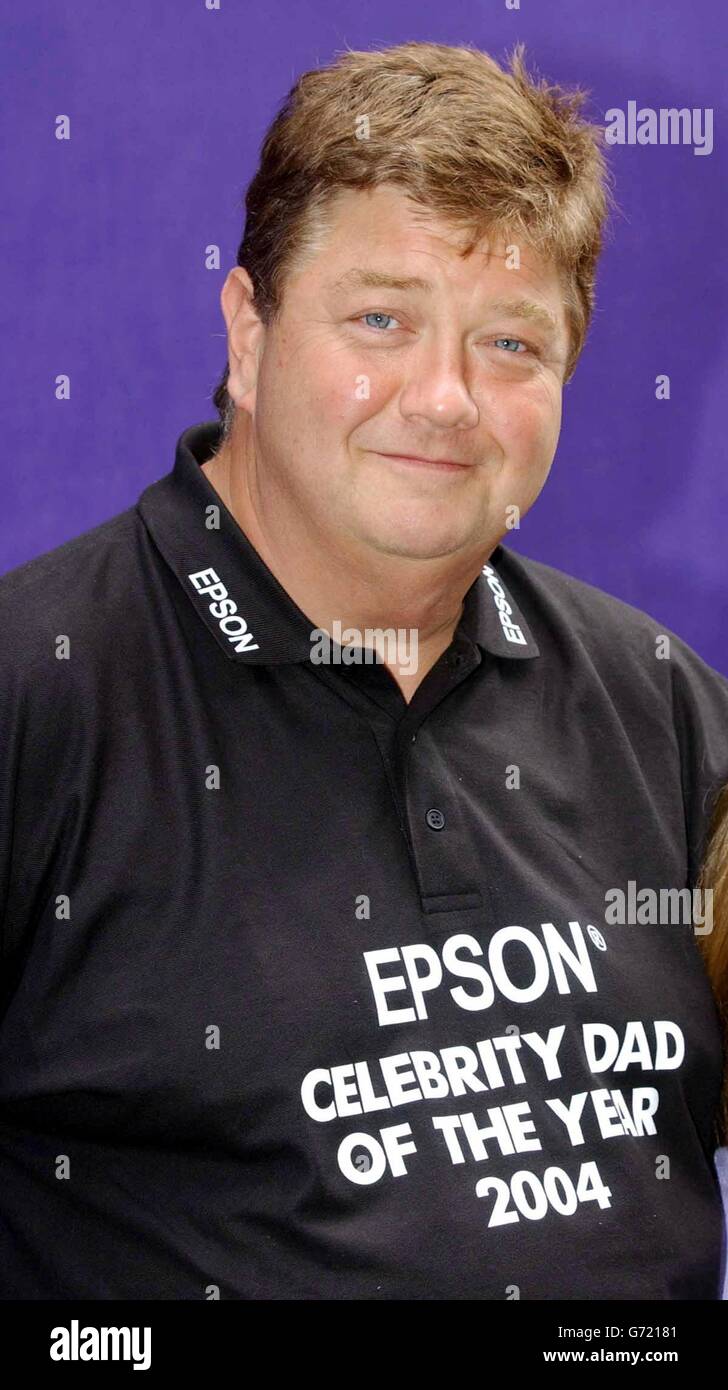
(437, 390)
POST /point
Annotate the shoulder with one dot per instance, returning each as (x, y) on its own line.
(613, 634)
(75, 590)
(557, 596)
(602, 653)
(73, 629)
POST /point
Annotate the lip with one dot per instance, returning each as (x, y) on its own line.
(434, 465)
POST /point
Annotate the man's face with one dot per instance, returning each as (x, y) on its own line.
(355, 371)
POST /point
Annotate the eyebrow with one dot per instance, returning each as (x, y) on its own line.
(515, 307)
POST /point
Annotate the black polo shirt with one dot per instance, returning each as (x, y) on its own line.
(311, 993)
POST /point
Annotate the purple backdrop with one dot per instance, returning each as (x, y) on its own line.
(106, 280)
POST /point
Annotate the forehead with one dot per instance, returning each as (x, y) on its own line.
(381, 231)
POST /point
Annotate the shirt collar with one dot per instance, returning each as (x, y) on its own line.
(238, 598)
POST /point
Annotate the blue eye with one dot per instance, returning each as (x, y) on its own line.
(511, 340)
(376, 314)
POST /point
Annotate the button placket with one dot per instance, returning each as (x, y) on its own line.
(441, 849)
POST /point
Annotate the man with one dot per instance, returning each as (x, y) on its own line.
(313, 986)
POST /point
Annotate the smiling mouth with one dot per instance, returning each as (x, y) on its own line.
(433, 465)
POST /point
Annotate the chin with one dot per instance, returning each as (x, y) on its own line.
(419, 545)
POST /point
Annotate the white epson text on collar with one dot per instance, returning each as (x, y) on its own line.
(222, 607)
(512, 631)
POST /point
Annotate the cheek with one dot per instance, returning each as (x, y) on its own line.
(529, 423)
(342, 394)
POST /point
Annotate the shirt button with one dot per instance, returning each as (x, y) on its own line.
(435, 819)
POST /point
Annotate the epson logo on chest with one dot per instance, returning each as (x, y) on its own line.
(512, 631)
(224, 609)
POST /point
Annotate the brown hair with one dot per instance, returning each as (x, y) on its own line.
(714, 945)
(490, 150)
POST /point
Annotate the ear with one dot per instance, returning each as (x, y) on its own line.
(246, 336)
